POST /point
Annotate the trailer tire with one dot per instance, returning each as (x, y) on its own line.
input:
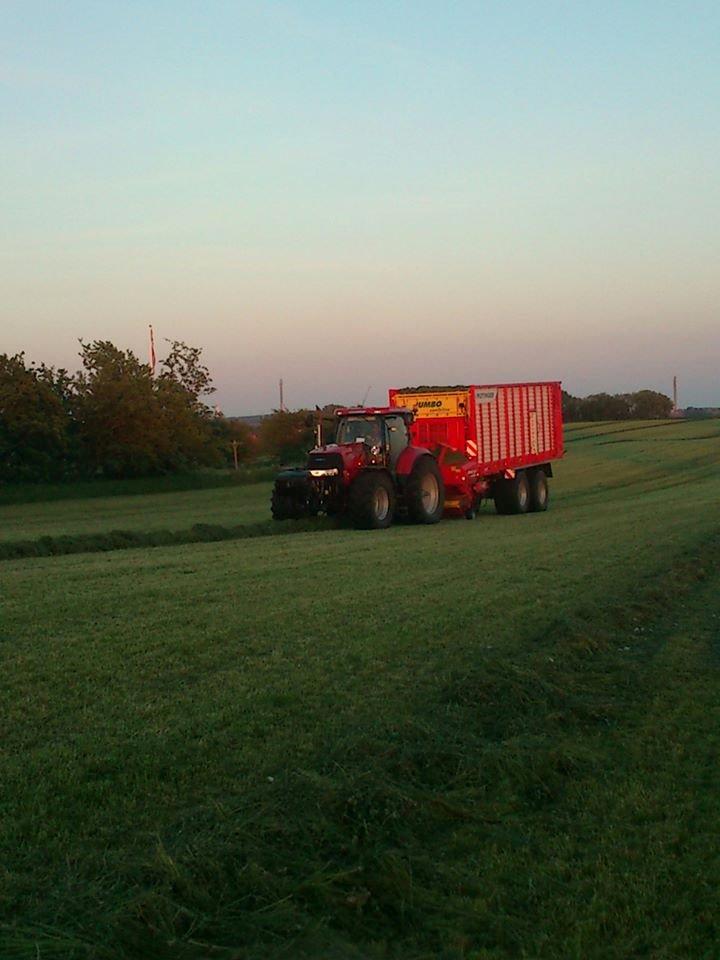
(425, 492)
(371, 502)
(539, 493)
(513, 495)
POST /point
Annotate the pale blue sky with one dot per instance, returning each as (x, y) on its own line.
(367, 194)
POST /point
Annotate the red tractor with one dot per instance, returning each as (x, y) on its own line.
(373, 473)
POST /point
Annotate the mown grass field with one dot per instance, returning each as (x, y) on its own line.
(495, 739)
(145, 512)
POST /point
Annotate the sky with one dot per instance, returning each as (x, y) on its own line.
(355, 194)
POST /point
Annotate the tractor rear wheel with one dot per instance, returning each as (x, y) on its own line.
(371, 502)
(425, 492)
(513, 495)
(539, 493)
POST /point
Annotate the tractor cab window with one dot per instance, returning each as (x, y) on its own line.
(397, 436)
(365, 429)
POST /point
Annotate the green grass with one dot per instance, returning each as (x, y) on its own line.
(494, 739)
(616, 426)
(15, 493)
(225, 506)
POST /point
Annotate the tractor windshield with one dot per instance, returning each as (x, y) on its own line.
(355, 429)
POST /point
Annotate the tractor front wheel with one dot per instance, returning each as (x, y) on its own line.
(284, 507)
(425, 492)
(371, 503)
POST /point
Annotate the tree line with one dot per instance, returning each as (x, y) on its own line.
(111, 418)
(641, 405)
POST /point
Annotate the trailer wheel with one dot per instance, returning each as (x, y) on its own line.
(425, 492)
(371, 502)
(513, 496)
(539, 493)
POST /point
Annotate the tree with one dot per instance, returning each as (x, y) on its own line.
(190, 435)
(605, 406)
(132, 424)
(571, 407)
(650, 405)
(119, 431)
(228, 432)
(34, 420)
(287, 435)
(183, 367)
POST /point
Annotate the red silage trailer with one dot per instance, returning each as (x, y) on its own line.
(490, 440)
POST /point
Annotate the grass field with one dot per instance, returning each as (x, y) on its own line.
(490, 740)
(154, 511)
(207, 479)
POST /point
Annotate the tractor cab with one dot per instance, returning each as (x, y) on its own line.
(385, 431)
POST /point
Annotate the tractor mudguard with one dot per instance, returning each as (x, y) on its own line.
(407, 460)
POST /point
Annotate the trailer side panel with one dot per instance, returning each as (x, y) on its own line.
(515, 425)
(502, 427)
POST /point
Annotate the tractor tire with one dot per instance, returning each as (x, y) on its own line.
(425, 492)
(513, 496)
(371, 501)
(284, 507)
(539, 493)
